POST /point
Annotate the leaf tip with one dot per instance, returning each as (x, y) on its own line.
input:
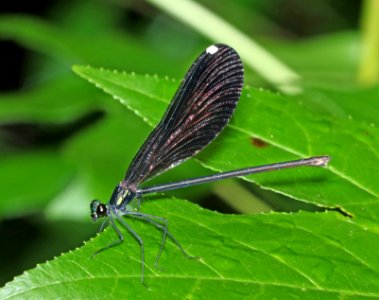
(80, 69)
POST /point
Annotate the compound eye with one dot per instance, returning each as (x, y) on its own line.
(101, 210)
(94, 205)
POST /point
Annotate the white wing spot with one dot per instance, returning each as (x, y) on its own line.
(212, 49)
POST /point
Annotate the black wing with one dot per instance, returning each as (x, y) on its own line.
(200, 109)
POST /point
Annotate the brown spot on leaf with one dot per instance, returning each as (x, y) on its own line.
(258, 142)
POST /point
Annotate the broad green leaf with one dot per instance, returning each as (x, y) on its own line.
(313, 256)
(291, 130)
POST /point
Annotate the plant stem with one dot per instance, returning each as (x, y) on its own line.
(369, 65)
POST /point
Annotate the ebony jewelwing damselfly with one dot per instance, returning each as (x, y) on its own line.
(200, 109)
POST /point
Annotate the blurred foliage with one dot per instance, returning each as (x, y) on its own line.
(63, 142)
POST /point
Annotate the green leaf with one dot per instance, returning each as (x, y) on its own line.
(290, 129)
(309, 255)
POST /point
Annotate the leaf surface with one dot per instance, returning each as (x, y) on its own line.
(314, 255)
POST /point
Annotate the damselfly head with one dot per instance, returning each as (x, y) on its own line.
(98, 210)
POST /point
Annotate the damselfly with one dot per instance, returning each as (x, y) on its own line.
(200, 109)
